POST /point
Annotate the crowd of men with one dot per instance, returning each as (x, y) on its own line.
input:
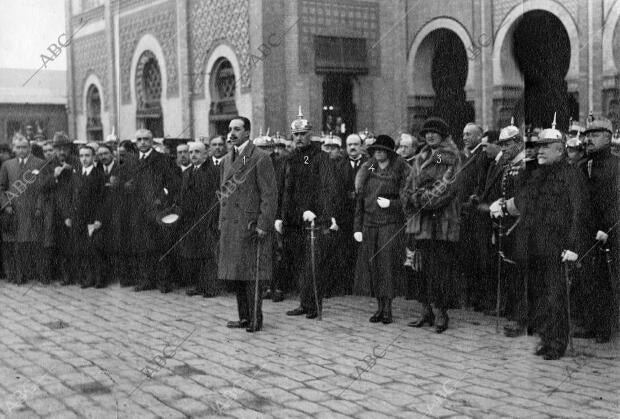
(521, 223)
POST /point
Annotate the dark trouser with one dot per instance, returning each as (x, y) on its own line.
(245, 293)
(280, 264)
(89, 267)
(301, 258)
(438, 259)
(528, 291)
(597, 300)
(341, 257)
(552, 310)
(21, 261)
(201, 274)
(470, 262)
(147, 269)
(115, 266)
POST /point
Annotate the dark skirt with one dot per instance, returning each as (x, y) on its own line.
(380, 271)
(439, 285)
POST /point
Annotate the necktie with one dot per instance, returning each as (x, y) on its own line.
(83, 172)
(235, 152)
(22, 163)
(590, 168)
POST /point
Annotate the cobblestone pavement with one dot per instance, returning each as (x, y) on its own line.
(67, 352)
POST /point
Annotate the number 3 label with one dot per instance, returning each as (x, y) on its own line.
(306, 159)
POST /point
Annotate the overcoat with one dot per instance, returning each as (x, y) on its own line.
(88, 194)
(248, 200)
(198, 204)
(115, 207)
(151, 188)
(429, 196)
(20, 188)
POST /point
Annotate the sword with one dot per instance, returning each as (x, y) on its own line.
(313, 267)
(570, 324)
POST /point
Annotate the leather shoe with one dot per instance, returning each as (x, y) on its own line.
(442, 322)
(429, 318)
(377, 317)
(86, 285)
(255, 327)
(208, 295)
(514, 330)
(603, 338)
(541, 350)
(552, 355)
(267, 294)
(297, 312)
(143, 287)
(387, 318)
(240, 324)
(312, 315)
(192, 292)
(277, 296)
(165, 289)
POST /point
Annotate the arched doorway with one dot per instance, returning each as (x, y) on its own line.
(440, 70)
(94, 128)
(542, 52)
(149, 113)
(222, 87)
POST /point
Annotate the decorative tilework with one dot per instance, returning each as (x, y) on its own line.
(90, 15)
(338, 18)
(213, 21)
(502, 7)
(88, 57)
(161, 22)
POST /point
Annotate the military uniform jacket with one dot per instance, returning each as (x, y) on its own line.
(248, 200)
(308, 186)
(553, 204)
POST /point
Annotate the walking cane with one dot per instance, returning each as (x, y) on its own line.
(255, 314)
(571, 350)
(313, 268)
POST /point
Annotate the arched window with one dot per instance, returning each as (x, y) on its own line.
(149, 90)
(94, 129)
(222, 87)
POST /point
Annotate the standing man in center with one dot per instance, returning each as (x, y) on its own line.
(248, 199)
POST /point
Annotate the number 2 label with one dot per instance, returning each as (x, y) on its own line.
(306, 160)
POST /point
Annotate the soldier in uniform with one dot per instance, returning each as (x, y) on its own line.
(431, 207)
(575, 148)
(307, 199)
(553, 209)
(248, 196)
(501, 184)
(600, 293)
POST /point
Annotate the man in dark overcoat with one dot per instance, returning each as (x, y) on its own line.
(553, 206)
(85, 218)
(248, 200)
(198, 230)
(19, 187)
(151, 189)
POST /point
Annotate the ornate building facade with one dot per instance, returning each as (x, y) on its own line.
(183, 68)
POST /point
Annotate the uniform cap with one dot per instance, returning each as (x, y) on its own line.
(509, 132)
(60, 138)
(263, 140)
(600, 124)
(300, 124)
(574, 142)
(550, 135)
(112, 137)
(332, 140)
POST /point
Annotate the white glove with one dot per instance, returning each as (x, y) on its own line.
(278, 226)
(383, 202)
(496, 209)
(358, 236)
(334, 226)
(568, 256)
(602, 236)
(308, 216)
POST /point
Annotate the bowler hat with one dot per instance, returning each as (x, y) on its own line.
(384, 142)
(437, 125)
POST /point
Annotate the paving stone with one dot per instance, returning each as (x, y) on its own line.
(293, 368)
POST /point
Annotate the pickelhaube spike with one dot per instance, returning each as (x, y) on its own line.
(553, 123)
(512, 120)
(300, 115)
(300, 124)
(267, 132)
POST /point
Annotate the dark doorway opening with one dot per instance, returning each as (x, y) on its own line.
(541, 48)
(339, 113)
(449, 75)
